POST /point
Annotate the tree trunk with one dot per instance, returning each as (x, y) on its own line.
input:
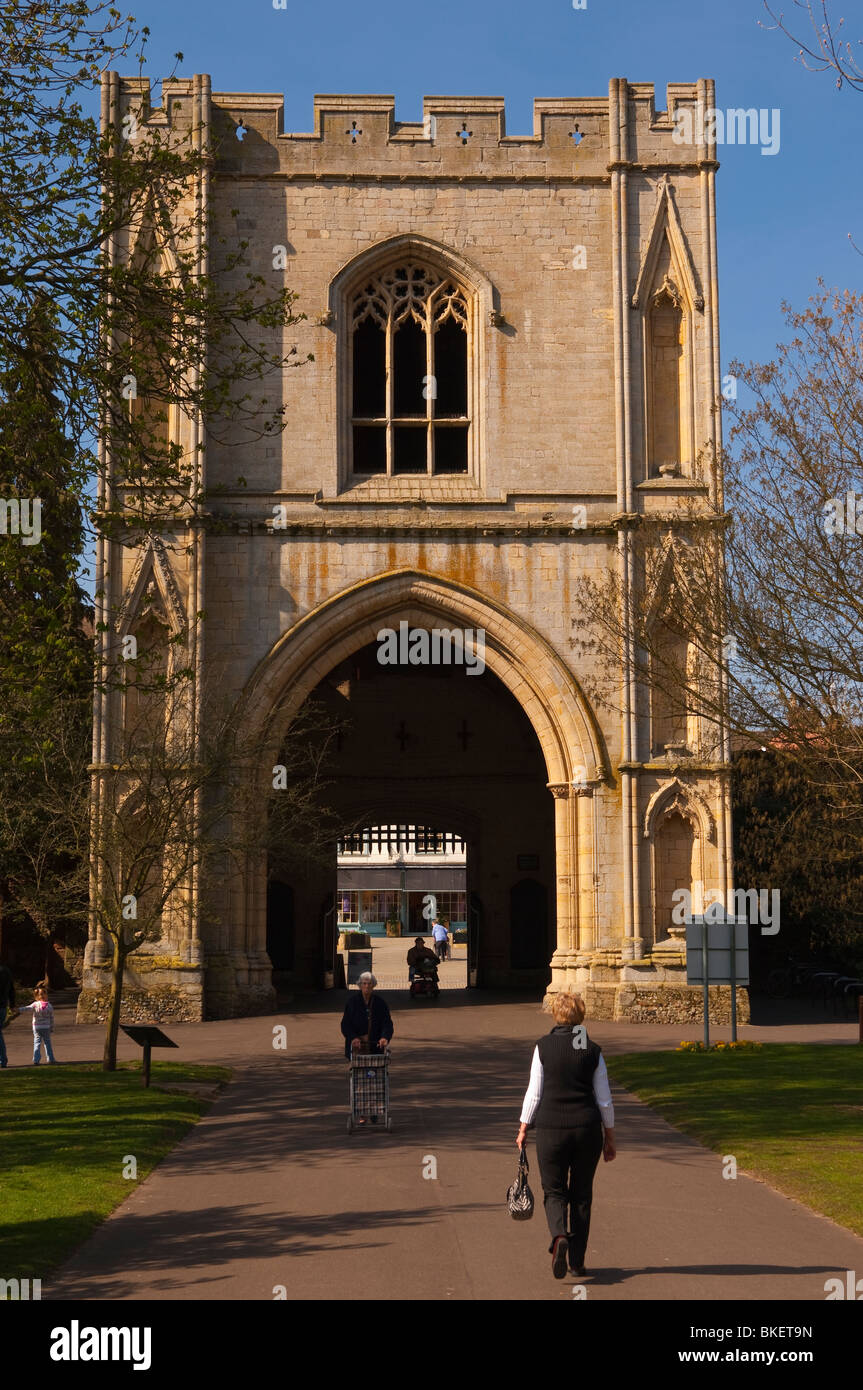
(118, 966)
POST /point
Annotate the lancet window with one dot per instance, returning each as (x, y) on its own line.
(410, 407)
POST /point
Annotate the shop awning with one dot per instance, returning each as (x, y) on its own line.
(418, 880)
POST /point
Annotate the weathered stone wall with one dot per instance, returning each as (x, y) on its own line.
(156, 990)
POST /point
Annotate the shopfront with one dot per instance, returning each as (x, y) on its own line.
(406, 897)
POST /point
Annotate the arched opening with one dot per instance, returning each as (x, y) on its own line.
(439, 781)
(397, 883)
(667, 295)
(675, 850)
(667, 381)
(393, 879)
(412, 362)
(410, 396)
(491, 754)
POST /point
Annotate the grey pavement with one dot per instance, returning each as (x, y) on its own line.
(390, 968)
(269, 1190)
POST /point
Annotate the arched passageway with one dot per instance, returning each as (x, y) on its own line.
(504, 756)
(437, 747)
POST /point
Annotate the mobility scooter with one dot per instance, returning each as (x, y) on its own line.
(425, 981)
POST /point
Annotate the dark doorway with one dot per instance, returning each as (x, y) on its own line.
(528, 917)
(280, 925)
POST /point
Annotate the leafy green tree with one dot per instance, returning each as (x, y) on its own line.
(152, 326)
(793, 839)
(45, 651)
(102, 221)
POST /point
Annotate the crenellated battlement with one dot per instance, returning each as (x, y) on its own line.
(458, 136)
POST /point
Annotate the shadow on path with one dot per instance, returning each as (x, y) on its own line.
(172, 1241)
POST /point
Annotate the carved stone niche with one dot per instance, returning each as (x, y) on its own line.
(667, 291)
(152, 606)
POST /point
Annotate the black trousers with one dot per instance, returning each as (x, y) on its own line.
(567, 1162)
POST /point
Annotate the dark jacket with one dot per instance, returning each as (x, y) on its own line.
(567, 1080)
(418, 953)
(355, 1021)
(7, 992)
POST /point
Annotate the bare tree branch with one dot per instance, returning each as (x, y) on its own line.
(825, 50)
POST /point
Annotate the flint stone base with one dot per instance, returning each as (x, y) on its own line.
(153, 1000)
(166, 989)
(650, 989)
(659, 1003)
(664, 1003)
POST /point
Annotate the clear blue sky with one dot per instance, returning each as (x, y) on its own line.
(783, 219)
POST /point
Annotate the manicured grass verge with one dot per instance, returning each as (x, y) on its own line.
(791, 1114)
(66, 1131)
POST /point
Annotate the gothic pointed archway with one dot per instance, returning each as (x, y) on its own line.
(534, 673)
(524, 673)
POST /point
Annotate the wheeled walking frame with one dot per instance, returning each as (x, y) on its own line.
(370, 1089)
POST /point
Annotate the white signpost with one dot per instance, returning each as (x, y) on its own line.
(717, 953)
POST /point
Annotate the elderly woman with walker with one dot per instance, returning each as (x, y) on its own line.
(367, 1028)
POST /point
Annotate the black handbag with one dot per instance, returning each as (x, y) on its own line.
(519, 1197)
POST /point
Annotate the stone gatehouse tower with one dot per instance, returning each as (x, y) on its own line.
(516, 350)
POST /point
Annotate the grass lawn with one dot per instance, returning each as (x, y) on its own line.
(67, 1131)
(791, 1114)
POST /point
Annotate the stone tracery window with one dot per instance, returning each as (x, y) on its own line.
(410, 411)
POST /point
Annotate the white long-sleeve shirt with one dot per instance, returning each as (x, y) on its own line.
(601, 1091)
(43, 1014)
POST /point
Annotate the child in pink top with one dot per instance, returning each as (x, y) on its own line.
(43, 1024)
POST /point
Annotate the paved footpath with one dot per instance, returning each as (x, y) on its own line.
(269, 1189)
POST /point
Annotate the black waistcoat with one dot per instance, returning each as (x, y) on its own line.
(567, 1080)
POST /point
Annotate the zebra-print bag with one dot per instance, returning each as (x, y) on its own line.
(519, 1197)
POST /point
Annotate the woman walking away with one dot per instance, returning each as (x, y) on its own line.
(569, 1102)
(43, 1024)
